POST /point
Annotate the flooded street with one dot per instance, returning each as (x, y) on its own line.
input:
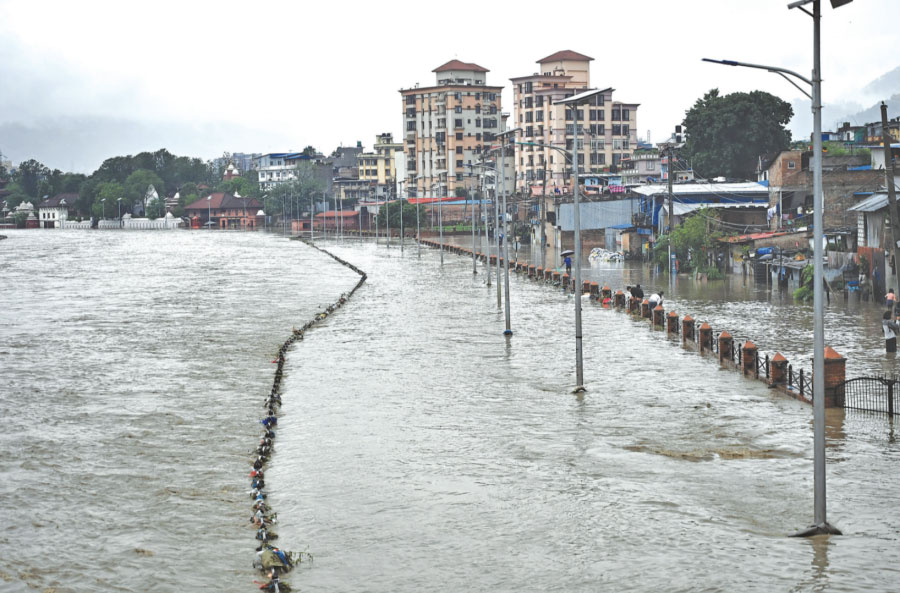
(418, 449)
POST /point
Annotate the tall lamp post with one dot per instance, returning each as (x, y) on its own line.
(574, 102)
(119, 200)
(821, 525)
(103, 201)
(209, 211)
(502, 136)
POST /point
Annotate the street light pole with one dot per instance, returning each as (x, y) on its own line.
(119, 200)
(209, 212)
(505, 244)
(821, 525)
(441, 218)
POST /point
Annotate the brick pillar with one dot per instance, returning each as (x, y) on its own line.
(548, 274)
(645, 309)
(672, 322)
(658, 316)
(619, 301)
(748, 358)
(606, 291)
(705, 337)
(565, 280)
(725, 344)
(595, 291)
(555, 276)
(518, 267)
(493, 260)
(539, 273)
(778, 369)
(585, 287)
(835, 375)
(687, 328)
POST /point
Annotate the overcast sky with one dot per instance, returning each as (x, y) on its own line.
(83, 81)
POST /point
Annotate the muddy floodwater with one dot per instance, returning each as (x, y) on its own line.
(418, 449)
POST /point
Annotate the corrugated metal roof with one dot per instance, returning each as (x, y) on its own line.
(726, 189)
(682, 209)
(871, 204)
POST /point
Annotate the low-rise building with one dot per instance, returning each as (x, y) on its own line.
(226, 211)
(53, 212)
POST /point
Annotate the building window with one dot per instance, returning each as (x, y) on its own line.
(493, 110)
(478, 109)
(529, 102)
(616, 129)
(459, 164)
(410, 126)
(529, 117)
(457, 95)
(410, 99)
(457, 123)
(539, 101)
(529, 131)
(616, 114)
(459, 135)
(538, 116)
(458, 109)
(792, 165)
(626, 114)
(459, 150)
(528, 87)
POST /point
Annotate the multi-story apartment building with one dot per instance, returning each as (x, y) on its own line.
(278, 167)
(447, 127)
(379, 167)
(606, 133)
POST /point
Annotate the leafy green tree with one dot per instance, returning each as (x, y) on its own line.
(30, 174)
(239, 185)
(111, 191)
(392, 214)
(692, 242)
(17, 195)
(727, 135)
(137, 183)
(310, 151)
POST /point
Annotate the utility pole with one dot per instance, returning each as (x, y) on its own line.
(543, 215)
(889, 181)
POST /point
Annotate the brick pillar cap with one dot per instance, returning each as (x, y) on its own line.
(619, 292)
(540, 268)
(688, 318)
(594, 284)
(748, 345)
(658, 308)
(605, 287)
(778, 358)
(704, 326)
(831, 354)
(725, 334)
(672, 314)
(645, 301)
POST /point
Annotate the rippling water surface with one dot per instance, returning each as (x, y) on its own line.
(418, 449)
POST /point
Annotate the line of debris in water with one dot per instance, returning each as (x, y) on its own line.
(270, 560)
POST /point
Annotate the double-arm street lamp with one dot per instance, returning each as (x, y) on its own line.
(821, 525)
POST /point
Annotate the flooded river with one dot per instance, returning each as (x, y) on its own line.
(418, 449)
